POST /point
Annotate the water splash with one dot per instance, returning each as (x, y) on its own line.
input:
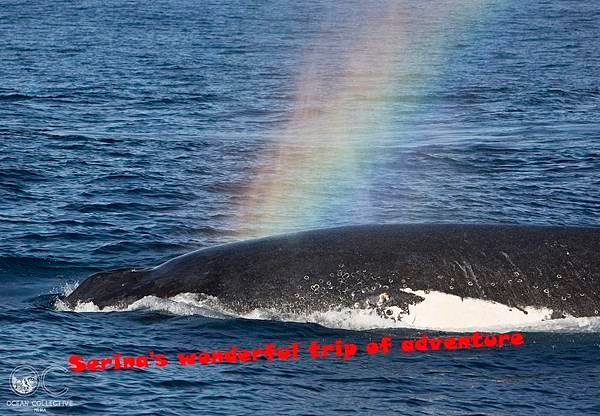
(439, 311)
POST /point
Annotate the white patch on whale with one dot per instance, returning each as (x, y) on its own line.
(444, 311)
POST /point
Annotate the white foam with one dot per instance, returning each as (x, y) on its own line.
(439, 311)
(182, 304)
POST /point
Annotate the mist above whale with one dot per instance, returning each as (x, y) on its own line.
(383, 267)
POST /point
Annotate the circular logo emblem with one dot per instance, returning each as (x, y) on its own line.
(24, 380)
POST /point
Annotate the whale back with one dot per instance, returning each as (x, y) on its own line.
(519, 266)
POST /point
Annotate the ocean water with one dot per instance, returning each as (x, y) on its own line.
(131, 132)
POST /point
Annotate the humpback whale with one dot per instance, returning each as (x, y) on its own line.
(376, 266)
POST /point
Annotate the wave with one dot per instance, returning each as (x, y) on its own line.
(30, 264)
(438, 312)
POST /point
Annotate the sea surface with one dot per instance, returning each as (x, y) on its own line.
(134, 131)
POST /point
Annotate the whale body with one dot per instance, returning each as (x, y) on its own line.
(376, 266)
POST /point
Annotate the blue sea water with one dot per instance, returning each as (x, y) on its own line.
(130, 132)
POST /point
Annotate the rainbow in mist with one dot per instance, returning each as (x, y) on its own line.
(323, 159)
